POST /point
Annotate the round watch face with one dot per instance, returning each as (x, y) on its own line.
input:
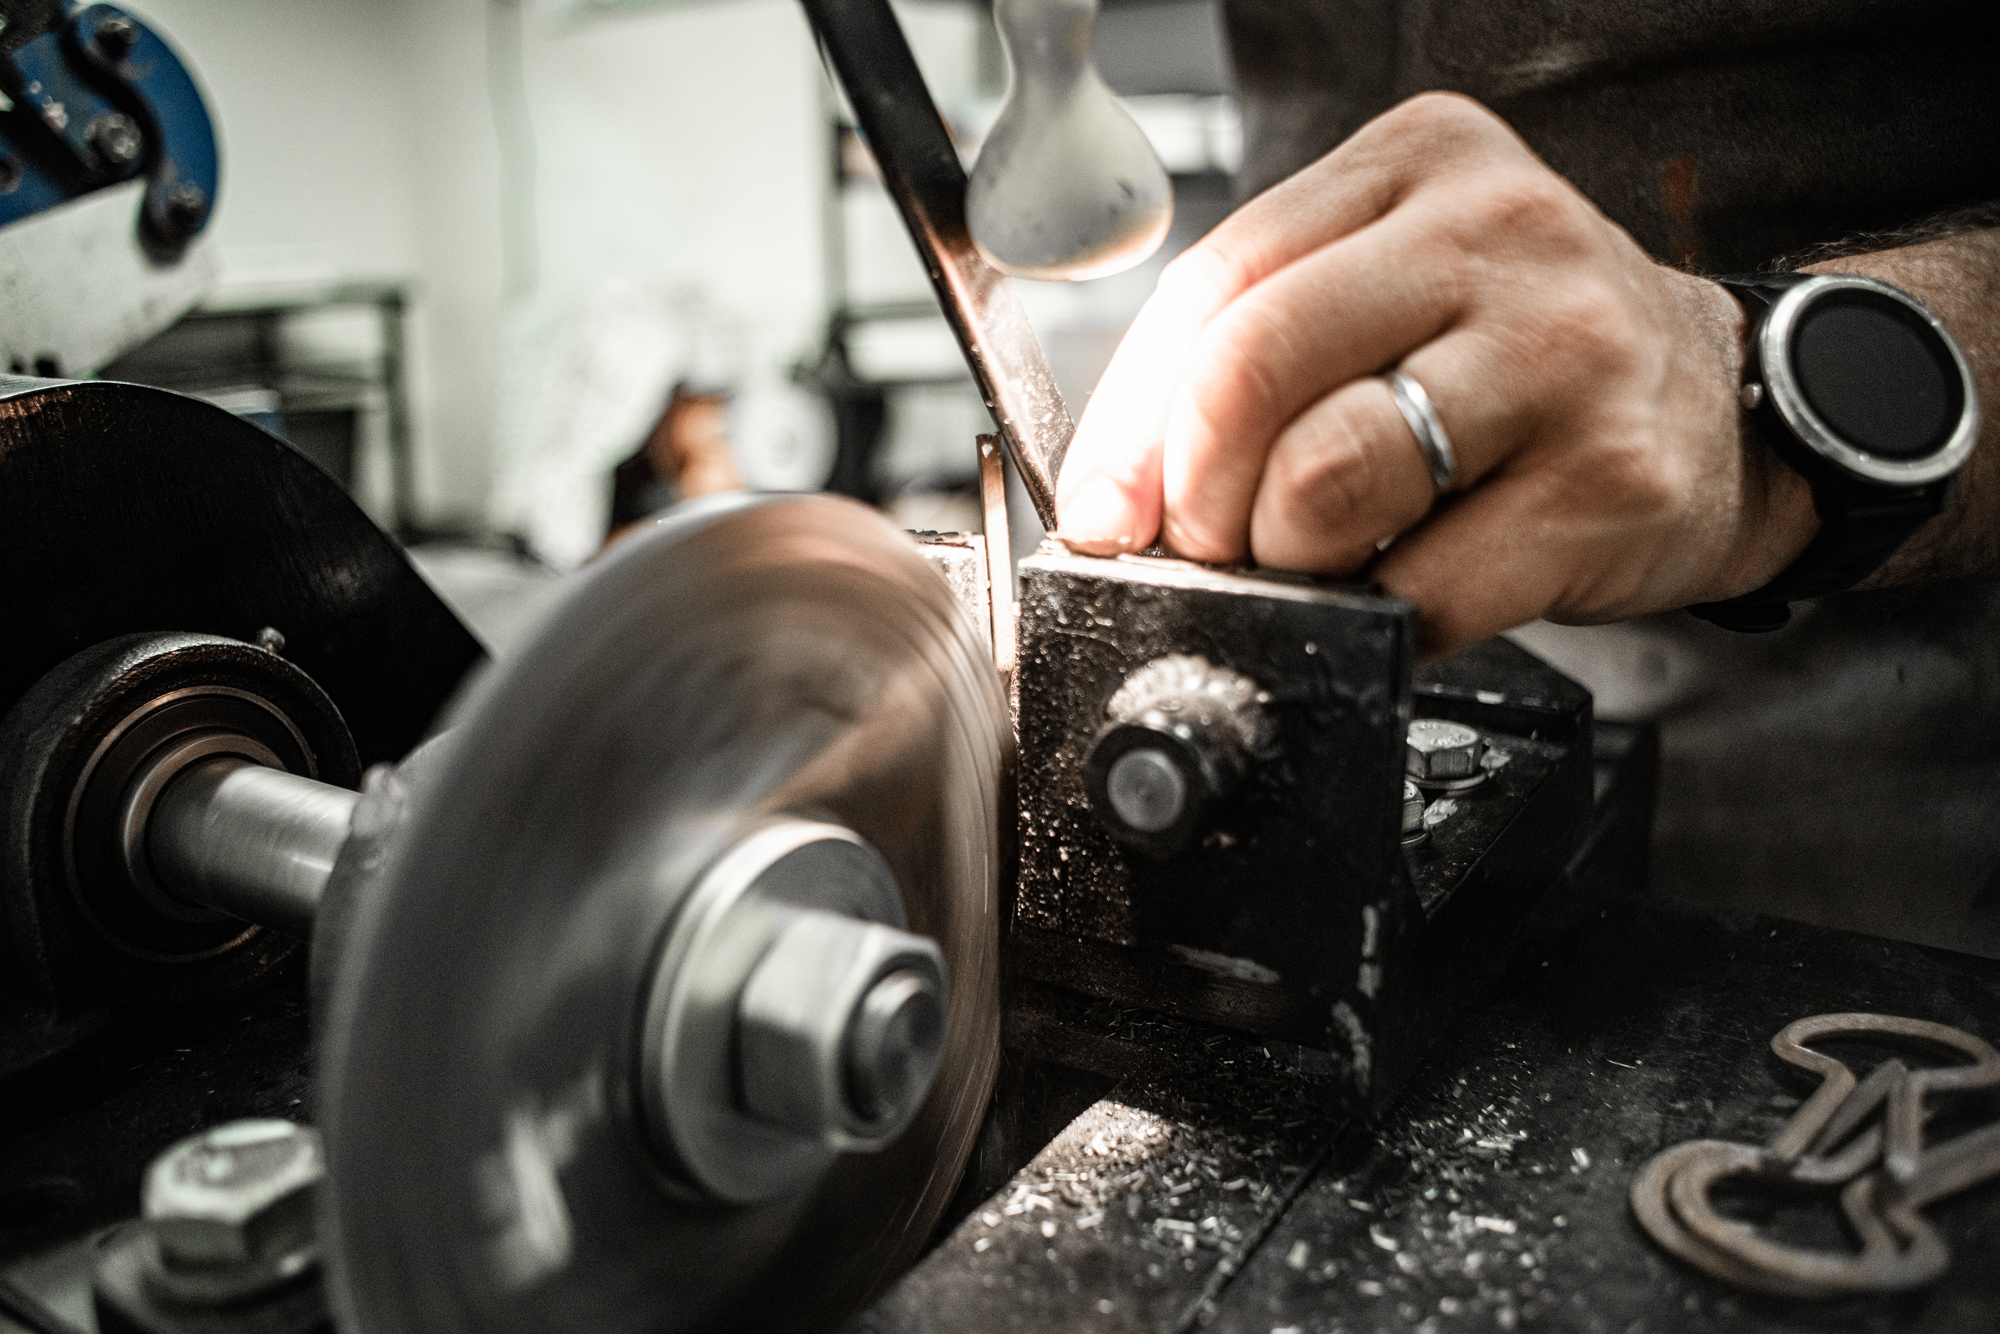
(1869, 380)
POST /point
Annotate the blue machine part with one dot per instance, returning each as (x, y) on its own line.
(101, 98)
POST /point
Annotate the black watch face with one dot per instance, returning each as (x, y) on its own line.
(1877, 373)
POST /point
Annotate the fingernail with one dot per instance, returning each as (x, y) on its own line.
(1101, 515)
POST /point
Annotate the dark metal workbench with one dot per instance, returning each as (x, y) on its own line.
(1466, 1206)
(1199, 1193)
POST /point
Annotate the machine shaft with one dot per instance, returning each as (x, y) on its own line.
(255, 842)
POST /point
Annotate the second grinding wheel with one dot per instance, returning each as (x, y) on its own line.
(758, 740)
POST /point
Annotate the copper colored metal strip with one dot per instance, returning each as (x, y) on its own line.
(999, 555)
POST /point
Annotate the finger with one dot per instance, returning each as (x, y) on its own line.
(1348, 474)
(1276, 350)
(1360, 181)
(1500, 556)
(1113, 455)
(1108, 494)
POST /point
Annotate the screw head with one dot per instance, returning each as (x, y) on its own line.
(1436, 750)
(240, 1193)
(116, 35)
(116, 138)
(187, 206)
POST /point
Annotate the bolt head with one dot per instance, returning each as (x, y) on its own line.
(116, 35)
(187, 206)
(240, 1193)
(1147, 789)
(1438, 750)
(117, 139)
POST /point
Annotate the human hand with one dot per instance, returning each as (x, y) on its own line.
(1590, 396)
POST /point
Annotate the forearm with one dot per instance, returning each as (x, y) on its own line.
(1958, 277)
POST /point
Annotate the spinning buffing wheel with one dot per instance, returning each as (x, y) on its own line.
(634, 1018)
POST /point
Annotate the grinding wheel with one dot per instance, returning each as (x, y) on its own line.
(491, 1165)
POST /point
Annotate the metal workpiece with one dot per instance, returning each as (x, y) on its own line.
(1180, 735)
(921, 169)
(249, 840)
(230, 1211)
(1066, 187)
(1443, 754)
(839, 1029)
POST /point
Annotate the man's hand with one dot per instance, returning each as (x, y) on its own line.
(1590, 396)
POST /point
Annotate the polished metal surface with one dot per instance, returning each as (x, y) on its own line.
(254, 842)
(482, 1062)
(920, 166)
(1775, 338)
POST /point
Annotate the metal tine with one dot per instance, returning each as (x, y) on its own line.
(1955, 1166)
(1814, 1167)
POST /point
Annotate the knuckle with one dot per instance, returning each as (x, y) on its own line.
(1205, 272)
(1592, 326)
(1238, 380)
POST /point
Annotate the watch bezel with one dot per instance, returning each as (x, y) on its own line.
(1787, 396)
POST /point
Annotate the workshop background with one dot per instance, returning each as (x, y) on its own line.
(468, 248)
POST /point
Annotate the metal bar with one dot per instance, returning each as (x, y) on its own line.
(919, 165)
(253, 842)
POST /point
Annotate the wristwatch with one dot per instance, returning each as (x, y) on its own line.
(1860, 389)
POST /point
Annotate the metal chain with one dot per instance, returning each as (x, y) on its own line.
(1836, 1138)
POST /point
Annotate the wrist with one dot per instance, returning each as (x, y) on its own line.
(1773, 518)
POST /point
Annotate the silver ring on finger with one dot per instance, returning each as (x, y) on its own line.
(1435, 445)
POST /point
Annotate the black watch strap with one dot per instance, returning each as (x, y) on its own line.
(1858, 532)
(1860, 525)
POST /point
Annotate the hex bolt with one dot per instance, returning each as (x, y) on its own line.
(1413, 813)
(116, 138)
(116, 35)
(1442, 752)
(840, 1029)
(238, 1195)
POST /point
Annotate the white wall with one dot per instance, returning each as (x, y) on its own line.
(678, 148)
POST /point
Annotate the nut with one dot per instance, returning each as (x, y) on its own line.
(238, 1194)
(1413, 812)
(1438, 751)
